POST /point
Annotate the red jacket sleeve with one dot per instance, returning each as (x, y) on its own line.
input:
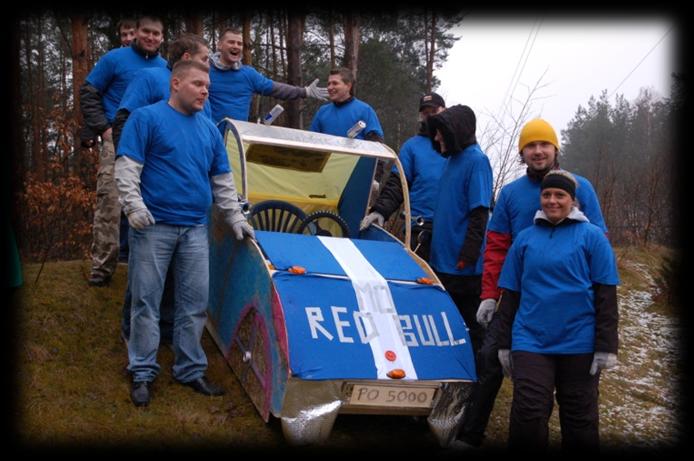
(494, 256)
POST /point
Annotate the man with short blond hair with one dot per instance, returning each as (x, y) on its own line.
(151, 86)
(171, 164)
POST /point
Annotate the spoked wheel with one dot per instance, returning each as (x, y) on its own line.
(324, 223)
(277, 216)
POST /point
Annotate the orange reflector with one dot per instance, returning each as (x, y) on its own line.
(297, 270)
(390, 355)
(425, 281)
(398, 373)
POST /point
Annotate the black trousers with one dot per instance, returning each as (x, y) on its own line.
(535, 379)
(465, 291)
(481, 402)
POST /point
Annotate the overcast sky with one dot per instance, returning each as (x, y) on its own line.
(581, 57)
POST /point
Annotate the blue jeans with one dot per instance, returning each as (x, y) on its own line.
(152, 249)
(166, 311)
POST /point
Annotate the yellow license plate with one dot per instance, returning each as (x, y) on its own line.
(392, 396)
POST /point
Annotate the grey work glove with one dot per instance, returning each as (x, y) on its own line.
(139, 219)
(241, 228)
(226, 198)
(486, 311)
(373, 217)
(602, 361)
(127, 175)
(317, 92)
(505, 360)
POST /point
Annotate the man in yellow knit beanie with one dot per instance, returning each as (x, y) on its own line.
(537, 130)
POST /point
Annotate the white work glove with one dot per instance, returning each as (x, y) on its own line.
(317, 92)
(505, 360)
(127, 175)
(141, 218)
(375, 187)
(486, 311)
(241, 228)
(602, 361)
(373, 217)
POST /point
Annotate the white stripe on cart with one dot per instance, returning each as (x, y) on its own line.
(376, 302)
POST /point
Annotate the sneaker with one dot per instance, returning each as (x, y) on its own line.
(140, 393)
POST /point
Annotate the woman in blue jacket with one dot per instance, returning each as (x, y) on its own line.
(558, 320)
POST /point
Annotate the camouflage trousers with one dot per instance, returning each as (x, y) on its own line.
(106, 216)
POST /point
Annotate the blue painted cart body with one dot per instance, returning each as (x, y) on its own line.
(315, 325)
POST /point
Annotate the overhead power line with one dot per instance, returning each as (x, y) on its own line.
(518, 72)
(641, 61)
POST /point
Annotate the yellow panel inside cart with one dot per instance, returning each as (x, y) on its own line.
(309, 179)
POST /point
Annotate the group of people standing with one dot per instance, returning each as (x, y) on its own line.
(534, 276)
(162, 163)
(541, 264)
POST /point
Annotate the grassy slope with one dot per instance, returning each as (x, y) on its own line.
(74, 387)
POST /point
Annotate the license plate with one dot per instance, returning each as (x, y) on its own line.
(392, 396)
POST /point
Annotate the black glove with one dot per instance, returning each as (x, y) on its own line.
(88, 137)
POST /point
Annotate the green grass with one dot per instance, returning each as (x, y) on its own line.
(74, 389)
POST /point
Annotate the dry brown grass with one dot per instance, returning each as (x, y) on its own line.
(74, 390)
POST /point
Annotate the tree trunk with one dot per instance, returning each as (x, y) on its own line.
(295, 36)
(194, 24)
(351, 58)
(283, 50)
(272, 45)
(431, 52)
(38, 121)
(247, 57)
(80, 69)
(16, 170)
(27, 128)
(331, 40)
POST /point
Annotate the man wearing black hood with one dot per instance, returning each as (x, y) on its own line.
(462, 211)
(99, 98)
(423, 167)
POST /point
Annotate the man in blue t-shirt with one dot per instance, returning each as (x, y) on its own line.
(100, 96)
(461, 213)
(233, 84)
(151, 85)
(171, 164)
(344, 111)
(423, 167)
